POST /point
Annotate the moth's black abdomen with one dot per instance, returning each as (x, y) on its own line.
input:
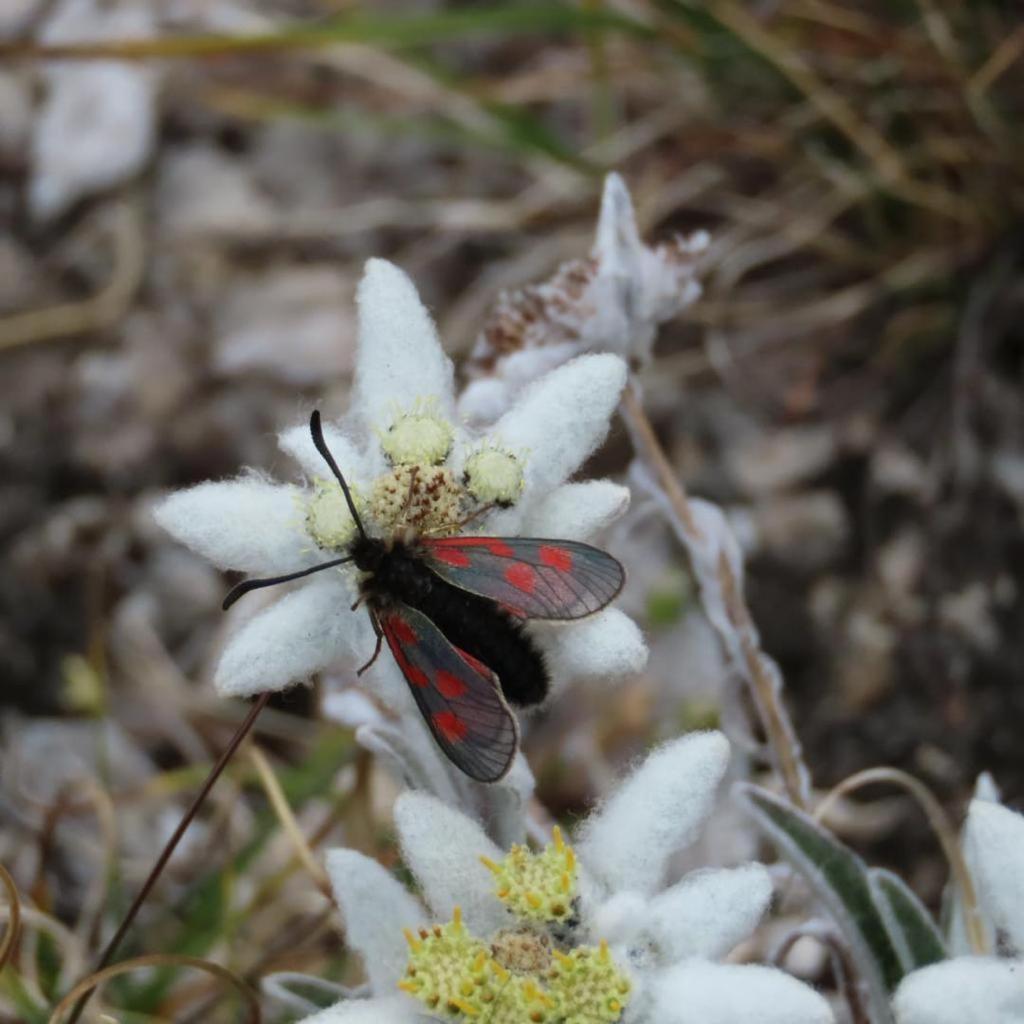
(482, 629)
(475, 624)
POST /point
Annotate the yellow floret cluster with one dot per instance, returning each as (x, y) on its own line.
(537, 886)
(519, 976)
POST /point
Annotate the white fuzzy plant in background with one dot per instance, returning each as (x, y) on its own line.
(402, 439)
(968, 988)
(615, 301)
(587, 932)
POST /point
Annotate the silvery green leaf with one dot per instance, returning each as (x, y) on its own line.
(914, 933)
(840, 879)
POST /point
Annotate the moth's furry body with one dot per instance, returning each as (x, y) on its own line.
(395, 571)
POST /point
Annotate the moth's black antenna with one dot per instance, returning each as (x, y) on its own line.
(247, 585)
(321, 446)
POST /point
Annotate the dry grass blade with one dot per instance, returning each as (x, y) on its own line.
(86, 985)
(940, 824)
(279, 802)
(14, 924)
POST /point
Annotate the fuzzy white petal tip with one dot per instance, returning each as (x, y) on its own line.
(608, 645)
(375, 907)
(709, 912)
(396, 1010)
(286, 643)
(245, 524)
(561, 418)
(967, 990)
(699, 992)
(659, 809)
(400, 358)
(443, 847)
(994, 846)
(618, 241)
(578, 511)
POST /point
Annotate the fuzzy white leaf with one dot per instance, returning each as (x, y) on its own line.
(298, 443)
(400, 358)
(709, 912)
(443, 847)
(605, 645)
(577, 511)
(966, 990)
(699, 992)
(246, 524)
(375, 908)
(562, 418)
(994, 843)
(396, 1010)
(658, 810)
(298, 635)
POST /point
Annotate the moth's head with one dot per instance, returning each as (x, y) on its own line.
(367, 553)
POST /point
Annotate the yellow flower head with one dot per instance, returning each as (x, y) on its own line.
(537, 886)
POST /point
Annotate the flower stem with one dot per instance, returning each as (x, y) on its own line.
(172, 844)
(738, 636)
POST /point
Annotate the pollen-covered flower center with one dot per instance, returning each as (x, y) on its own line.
(494, 475)
(537, 886)
(420, 437)
(426, 498)
(328, 519)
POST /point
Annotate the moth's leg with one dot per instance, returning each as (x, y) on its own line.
(376, 649)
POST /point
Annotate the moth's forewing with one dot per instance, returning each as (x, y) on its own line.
(531, 578)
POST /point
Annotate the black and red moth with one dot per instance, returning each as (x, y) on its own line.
(452, 611)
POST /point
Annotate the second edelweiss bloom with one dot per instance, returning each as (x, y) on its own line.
(411, 465)
(575, 933)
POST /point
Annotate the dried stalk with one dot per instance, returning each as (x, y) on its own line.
(241, 732)
(737, 632)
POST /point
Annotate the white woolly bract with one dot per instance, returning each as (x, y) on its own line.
(966, 990)
(297, 636)
(562, 418)
(375, 908)
(658, 810)
(994, 844)
(400, 358)
(577, 511)
(699, 992)
(606, 645)
(298, 443)
(709, 912)
(97, 123)
(245, 524)
(396, 1010)
(443, 848)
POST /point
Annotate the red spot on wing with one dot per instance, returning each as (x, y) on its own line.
(452, 727)
(450, 685)
(557, 558)
(522, 576)
(401, 630)
(450, 556)
(495, 545)
(499, 548)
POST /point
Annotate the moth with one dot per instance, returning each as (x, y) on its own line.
(452, 611)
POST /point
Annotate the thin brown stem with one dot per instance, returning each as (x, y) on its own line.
(172, 844)
(738, 636)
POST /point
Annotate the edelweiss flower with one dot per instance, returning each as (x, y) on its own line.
(971, 989)
(584, 935)
(409, 463)
(614, 301)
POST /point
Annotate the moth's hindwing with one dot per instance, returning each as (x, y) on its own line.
(457, 695)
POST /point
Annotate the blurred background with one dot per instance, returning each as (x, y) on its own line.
(181, 231)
